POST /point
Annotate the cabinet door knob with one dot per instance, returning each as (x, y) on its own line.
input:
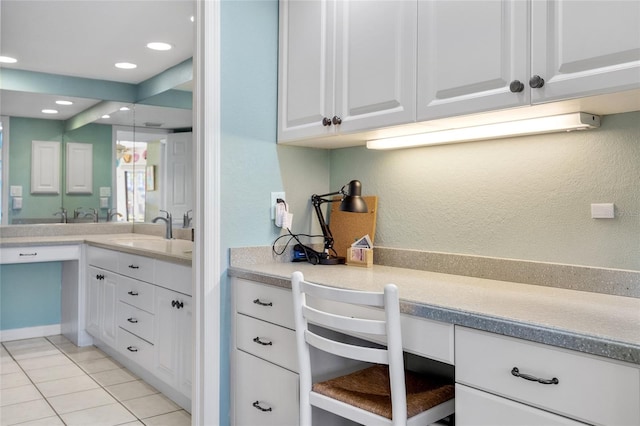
(326, 121)
(100, 277)
(536, 82)
(516, 86)
(336, 120)
(259, 407)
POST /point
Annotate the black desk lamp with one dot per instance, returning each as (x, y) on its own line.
(351, 201)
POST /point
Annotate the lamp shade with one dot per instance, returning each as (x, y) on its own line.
(353, 202)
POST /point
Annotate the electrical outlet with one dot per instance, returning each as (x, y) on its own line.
(274, 198)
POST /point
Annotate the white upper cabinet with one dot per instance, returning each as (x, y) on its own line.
(345, 66)
(584, 48)
(45, 167)
(469, 53)
(79, 168)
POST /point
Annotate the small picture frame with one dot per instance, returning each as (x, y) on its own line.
(150, 178)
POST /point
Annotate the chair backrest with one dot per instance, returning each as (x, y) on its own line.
(389, 327)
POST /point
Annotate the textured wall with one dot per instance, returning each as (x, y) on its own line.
(525, 198)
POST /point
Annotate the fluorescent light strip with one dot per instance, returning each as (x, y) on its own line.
(532, 126)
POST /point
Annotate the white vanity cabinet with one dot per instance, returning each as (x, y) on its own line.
(476, 56)
(497, 384)
(345, 66)
(264, 378)
(141, 308)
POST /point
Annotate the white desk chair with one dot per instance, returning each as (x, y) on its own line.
(375, 395)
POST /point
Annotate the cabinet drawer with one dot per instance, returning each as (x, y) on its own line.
(268, 341)
(133, 266)
(478, 408)
(136, 293)
(31, 254)
(102, 258)
(174, 277)
(135, 348)
(136, 321)
(260, 384)
(265, 302)
(589, 388)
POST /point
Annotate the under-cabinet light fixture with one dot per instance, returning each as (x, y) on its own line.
(531, 126)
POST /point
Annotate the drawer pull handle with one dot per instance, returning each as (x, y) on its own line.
(261, 303)
(132, 320)
(257, 405)
(260, 342)
(177, 304)
(132, 293)
(134, 267)
(28, 254)
(517, 373)
(132, 349)
(100, 277)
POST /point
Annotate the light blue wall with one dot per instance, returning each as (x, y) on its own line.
(525, 198)
(252, 164)
(30, 295)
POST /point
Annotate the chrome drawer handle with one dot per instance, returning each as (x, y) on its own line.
(132, 293)
(257, 405)
(260, 342)
(261, 303)
(132, 349)
(132, 320)
(517, 373)
(134, 267)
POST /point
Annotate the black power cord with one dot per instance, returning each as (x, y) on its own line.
(312, 256)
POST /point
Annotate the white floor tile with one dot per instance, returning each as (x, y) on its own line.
(131, 390)
(99, 365)
(58, 339)
(9, 367)
(68, 385)
(25, 411)
(113, 377)
(87, 355)
(26, 343)
(44, 362)
(47, 421)
(177, 418)
(12, 380)
(54, 373)
(35, 352)
(19, 394)
(151, 406)
(80, 400)
(107, 415)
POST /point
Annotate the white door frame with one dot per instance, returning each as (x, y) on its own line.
(206, 327)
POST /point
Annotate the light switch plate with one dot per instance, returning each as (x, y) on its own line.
(105, 191)
(274, 198)
(602, 211)
(15, 191)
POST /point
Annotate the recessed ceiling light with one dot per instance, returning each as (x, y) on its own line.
(106, 116)
(61, 102)
(125, 109)
(126, 65)
(193, 19)
(8, 60)
(158, 45)
(50, 111)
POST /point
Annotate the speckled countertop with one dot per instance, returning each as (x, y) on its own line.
(599, 324)
(177, 250)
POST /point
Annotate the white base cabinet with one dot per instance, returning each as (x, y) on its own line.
(143, 312)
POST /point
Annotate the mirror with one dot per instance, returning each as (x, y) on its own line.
(74, 61)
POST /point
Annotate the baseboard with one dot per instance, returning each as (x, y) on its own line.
(29, 332)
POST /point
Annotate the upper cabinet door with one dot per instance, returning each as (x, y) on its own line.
(469, 54)
(375, 64)
(79, 168)
(45, 167)
(583, 48)
(305, 86)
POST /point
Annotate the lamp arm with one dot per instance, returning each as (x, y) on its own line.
(316, 200)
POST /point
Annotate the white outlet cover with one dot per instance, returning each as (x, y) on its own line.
(602, 211)
(274, 197)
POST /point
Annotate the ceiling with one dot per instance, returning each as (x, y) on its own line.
(85, 38)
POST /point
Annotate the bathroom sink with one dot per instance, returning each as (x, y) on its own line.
(176, 247)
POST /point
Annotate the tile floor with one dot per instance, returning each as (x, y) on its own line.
(50, 381)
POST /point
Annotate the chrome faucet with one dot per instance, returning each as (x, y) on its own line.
(93, 214)
(111, 213)
(63, 215)
(186, 219)
(76, 212)
(168, 222)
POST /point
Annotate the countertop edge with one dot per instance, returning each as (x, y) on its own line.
(583, 343)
